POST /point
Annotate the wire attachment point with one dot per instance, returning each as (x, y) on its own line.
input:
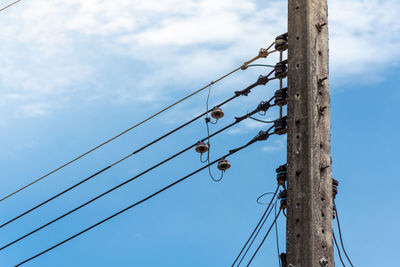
(201, 147)
(281, 69)
(281, 176)
(223, 165)
(281, 97)
(217, 113)
(280, 126)
(281, 42)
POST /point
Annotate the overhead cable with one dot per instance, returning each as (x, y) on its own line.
(338, 249)
(4, 8)
(244, 92)
(261, 136)
(263, 53)
(265, 237)
(261, 106)
(257, 226)
(340, 233)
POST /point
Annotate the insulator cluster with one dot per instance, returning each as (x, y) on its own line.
(281, 69)
(283, 197)
(281, 175)
(281, 97)
(280, 126)
(281, 42)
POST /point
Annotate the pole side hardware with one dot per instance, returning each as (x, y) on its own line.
(281, 42)
(281, 97)
(281, 69)
(281, 176)
(280, 126)
(283, 197)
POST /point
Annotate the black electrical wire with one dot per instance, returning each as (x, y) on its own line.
(244, 92)
(261, 120)
(255, 229)
(231, 152)
(265, 194)
(265, 237)
(255, 236)
(338, 249)
(262, 54)
(277, 238)
(237, 120)
(340, 234)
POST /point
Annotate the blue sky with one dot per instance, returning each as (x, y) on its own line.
(75, 74)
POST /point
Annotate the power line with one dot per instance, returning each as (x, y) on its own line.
(4, 8)
(340, 233)
(263, 105)
(277, 238)
(243, 92)
(262, 54)
(338, 249)
(255, 229)
(265, 237)
(260, 137)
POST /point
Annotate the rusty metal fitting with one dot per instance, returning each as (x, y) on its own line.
(281, 69)
(263, 53)
(201, 147)
(281, 176)
(223, 165)
(281, 42)
(217, 113)
(280, 126)
(281, 97)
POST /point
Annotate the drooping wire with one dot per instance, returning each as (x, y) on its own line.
(265, 237)
(244, 92)
(265, 194)
(255, 236)
(261, 65)
(262, 54)
(208, 120)
(231, 152)
(256, 228)
(256, 119)
(340, 233)
(4, 8)
(338, 249)
(277, 238)
(237, 120)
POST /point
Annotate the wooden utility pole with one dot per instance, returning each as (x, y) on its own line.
(309, 196)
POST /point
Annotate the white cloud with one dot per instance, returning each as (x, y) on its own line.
(52, 48)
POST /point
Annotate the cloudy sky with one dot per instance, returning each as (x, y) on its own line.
(74, 73)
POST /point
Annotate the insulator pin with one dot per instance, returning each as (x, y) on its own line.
(280, 126)
(223, 165)
(217, 113)
(281, 42)
(281, 97)
(281, 69)
(201, 147)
